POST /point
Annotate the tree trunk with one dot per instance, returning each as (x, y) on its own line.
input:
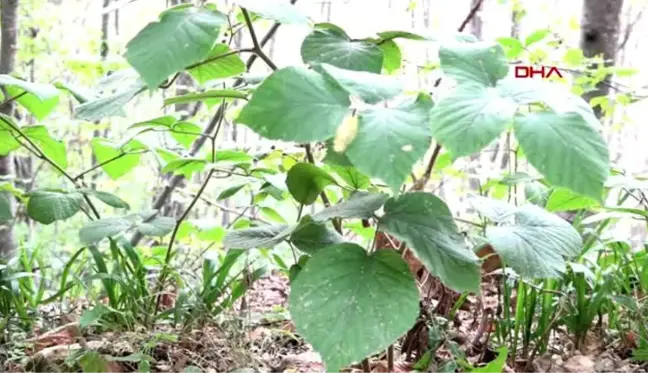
(9, 29)
(600, 26)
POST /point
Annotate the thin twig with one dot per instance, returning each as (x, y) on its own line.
(257, 47)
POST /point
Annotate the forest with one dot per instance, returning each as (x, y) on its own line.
(323, 186)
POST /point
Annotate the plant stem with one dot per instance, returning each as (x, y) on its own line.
(257, 47)
(167, 258)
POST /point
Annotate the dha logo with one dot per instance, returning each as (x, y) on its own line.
(525, 72)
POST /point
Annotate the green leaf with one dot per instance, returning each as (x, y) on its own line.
(343, 302)
(92, 362)
(471, 118)
(6, 213)
(108, 106)
(218, 67)
(295, 104)
(229, 192)
(90, 316)
(563, 199)
(311, 236)
(214, 94)
(164, 122)
(535, 246)
(352, 176)
(370, 87)
(95, 231)
(108, 198)
(266, 236)
(513, 46)
(185, 133)
(426, 224)
(306, 181)
(391, 140)
(38, 99)
(178, 39)
(159, 226)
(495, 366)
(495, 210)
(276, 10)
(536, 36)
(185, 166)
(52, 148)
(393, 57)
(566, 150)
(481, 63)
(8, 142)
(333, 46)
(114, 163)
(360, 205)
(48, 206)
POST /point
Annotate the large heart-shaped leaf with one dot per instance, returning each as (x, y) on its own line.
(361, 205)
(370, 87)
(390, 140)
(97, 230)
(349, 304)
(276, 10)
(52, 148)
(265, 236)
(38, 99)
(535, 246)
(563, 199)
(295, 104)
(470, 118)
(305, 181)
(480, 64)
(181, 37)
(48, 206)
(330, 44)
(426, 224)
(566, 150)
(219, 64)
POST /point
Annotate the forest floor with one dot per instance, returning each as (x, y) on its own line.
(267, 342)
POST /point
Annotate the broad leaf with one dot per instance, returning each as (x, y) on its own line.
(180, 37)
(352, 176)
(52, 148)
(219, 64)
(108, 198)
(563, 199)
(48, 206)
(311, 236)
(229, 192)
(331, 45)
(393, 57)
(391, 140)
(8, 142)
(90, 316)
(185, 166)
(277, 10)
(158, 226)
(306, 181)
(115, 162)
(214, 94)
(266, 236)
(108, 106)
(476, 64)
(370, 87)
(471, 118)
(295, 104)
(361, 205)
(495, 210)
(566, 150)
(344, 302)
(185, 133)
(38, 99)
(426, 224)
(536, 245)
(156, 123)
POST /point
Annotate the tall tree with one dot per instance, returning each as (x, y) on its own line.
(600, 25)
(9, 30)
